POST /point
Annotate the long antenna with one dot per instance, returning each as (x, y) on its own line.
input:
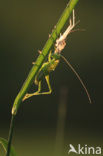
(68, 63)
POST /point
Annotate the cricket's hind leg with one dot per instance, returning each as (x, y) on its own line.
(39, 89)
(28, 95)
(49, 86)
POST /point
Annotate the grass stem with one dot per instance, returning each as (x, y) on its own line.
(10, 135)
(31, 76)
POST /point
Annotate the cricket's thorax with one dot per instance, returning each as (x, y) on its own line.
(46, 68)
(53, 65)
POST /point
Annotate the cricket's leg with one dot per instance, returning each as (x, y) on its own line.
(49, 86)
(28, 95)
(39, 89)
(49, 56)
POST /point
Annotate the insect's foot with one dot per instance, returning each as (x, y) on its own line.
(29, 95)
(33, 62)
(26, 96)
(49, 35)
(39, 51)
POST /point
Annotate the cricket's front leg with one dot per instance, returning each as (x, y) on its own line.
(28, 95)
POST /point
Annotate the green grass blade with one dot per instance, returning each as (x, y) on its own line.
(4, 144)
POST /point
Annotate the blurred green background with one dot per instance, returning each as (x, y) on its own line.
(39, 130)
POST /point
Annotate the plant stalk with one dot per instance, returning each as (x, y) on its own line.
(10, 135)
(41, 58)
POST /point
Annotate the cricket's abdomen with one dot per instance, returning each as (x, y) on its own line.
(46, 69)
